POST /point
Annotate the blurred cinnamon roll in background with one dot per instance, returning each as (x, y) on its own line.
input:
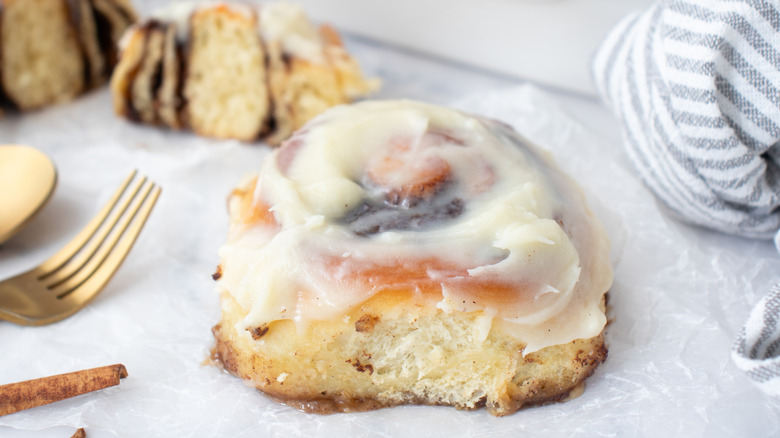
(233, 70)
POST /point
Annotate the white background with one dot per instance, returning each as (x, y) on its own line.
(547, 41)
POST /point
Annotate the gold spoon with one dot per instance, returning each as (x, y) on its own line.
(27, 180)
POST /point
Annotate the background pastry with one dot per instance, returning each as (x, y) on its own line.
(231, 70)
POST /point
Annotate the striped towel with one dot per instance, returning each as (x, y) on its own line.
(696, 84)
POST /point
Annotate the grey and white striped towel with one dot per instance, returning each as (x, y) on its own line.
(696, 84)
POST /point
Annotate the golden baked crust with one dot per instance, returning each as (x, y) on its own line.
(396, 348)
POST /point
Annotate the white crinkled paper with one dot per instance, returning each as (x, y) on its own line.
(679, 299)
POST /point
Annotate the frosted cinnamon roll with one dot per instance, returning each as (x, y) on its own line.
(395, 252)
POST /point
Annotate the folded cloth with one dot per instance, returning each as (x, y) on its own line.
(696, 84)
(756, 351)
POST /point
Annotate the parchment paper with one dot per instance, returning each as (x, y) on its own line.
(680, 296)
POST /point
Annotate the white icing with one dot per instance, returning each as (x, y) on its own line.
(282, 23)
(177, 13)
(506, 231)
(288, 24)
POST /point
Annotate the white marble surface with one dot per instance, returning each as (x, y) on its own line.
(679, 299)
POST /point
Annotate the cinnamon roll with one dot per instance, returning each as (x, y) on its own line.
(396, 252)
(233, 70)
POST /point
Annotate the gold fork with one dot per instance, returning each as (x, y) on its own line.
(70, 279)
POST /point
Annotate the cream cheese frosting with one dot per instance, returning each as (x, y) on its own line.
(390, 195)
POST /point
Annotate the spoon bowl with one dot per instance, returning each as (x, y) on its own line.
(27, 180)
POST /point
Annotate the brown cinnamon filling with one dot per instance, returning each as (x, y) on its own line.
(406, 191)
(373, 217)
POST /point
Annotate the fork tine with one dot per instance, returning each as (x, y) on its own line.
(77, 243)
(96, 248)
(96, 242)
(86, 291)
(127, 230)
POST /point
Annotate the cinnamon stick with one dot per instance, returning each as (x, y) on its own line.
(15, 397)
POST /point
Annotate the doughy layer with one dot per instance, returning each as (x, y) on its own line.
(390, 196)
(392, 350)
